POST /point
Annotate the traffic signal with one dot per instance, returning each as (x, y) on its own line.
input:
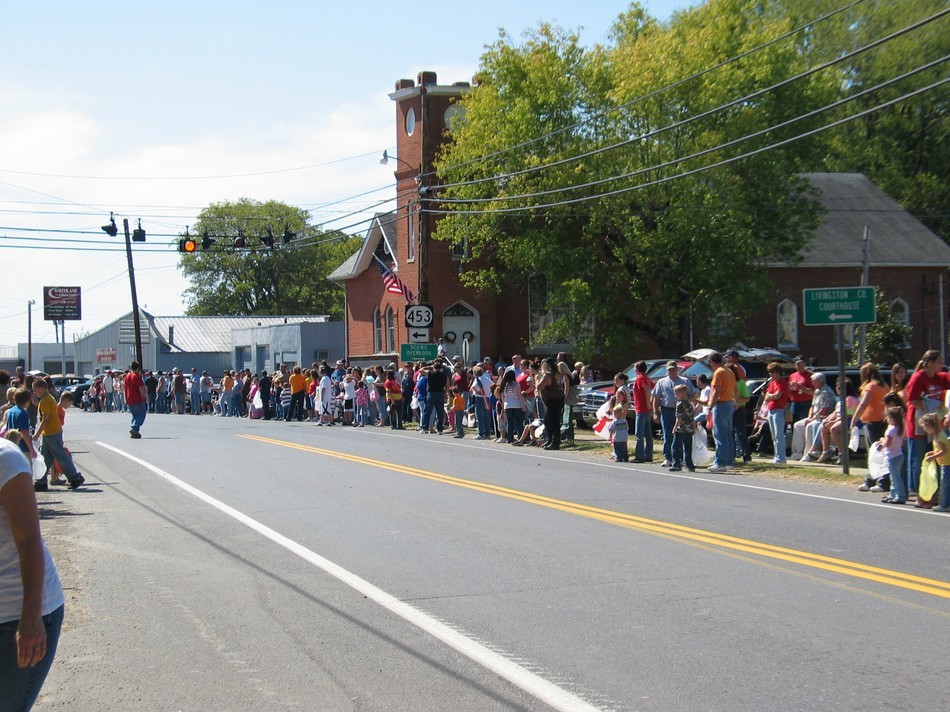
(138, 234)
(288, 235)
(187, 245)
(268, 239)
(206, 242)
(111, 230)
(239, 242)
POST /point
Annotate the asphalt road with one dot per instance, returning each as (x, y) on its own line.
(243, 565)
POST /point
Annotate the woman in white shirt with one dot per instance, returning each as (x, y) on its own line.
(31, 596)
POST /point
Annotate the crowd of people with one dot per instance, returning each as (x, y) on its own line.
(517, 403)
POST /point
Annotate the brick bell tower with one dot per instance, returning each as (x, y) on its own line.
(423, 110)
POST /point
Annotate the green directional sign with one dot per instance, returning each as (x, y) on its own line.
(839, 305)
(418, 352)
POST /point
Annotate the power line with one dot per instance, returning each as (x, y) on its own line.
(702, 115)
(756, 134)
(210, 177)
(701, 169)
(653, 93)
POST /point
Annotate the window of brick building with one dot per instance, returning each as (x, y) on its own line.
(786, 322)
(900, 310)
(390, 330)
(377, 331)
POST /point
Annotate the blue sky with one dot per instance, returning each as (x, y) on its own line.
(140, 99)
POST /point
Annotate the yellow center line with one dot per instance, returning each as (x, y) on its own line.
(889, 577)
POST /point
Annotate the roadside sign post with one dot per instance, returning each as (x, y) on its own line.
(840, 306)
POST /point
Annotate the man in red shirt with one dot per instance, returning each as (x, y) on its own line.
(927, 390)
(800, 390)
(643, 407)
(135, 398)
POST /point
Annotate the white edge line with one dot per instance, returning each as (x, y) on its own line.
(658, 473)
(535, 685)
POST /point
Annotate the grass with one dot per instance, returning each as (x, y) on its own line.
(762, 467)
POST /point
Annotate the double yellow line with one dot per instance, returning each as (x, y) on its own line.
(653, 526)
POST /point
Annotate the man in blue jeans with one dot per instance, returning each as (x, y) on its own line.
(664, 406)
(51, 428)
(435, 399)
(135, 399)
(722, 404)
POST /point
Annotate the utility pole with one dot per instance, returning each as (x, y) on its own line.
(865, 268)
(29, 334)
(135, 299)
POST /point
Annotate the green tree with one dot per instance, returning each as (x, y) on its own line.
(886, 338)
(904, 150)
(287, 279)
(641, 262)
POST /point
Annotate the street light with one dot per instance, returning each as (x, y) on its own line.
(387, 158)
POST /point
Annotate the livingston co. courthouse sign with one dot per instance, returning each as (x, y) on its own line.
(839, 305)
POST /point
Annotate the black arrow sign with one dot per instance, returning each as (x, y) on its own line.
(418, 334)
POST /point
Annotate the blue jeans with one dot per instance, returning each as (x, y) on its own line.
(435, 403)
(138, 412)
(800, 410)
(722, 434)
(944, 486)
(151, 402)
(180, 402)
(777, 428)
(514, 424)
(21, 686)
(898, 483)
(620, 451)
(643, 429)
(460, 423)
(195, 402)
(667, 421)
(482, 417)
(916, 449)
(161, 403)
(53, 449)
(683, 449)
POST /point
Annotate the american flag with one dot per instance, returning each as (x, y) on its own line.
(393, 284)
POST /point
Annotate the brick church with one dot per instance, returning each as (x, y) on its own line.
(471, 324)
(907, 260)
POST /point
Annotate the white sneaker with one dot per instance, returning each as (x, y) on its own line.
(666, 463)
(716, 468)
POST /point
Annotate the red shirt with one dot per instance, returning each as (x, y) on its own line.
(642, 388)
(780, 387)
(919, 386)
(133, 388)
(527, 384)
(802, 379)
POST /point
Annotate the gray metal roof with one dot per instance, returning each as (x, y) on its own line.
(852, 201)
(212, 334)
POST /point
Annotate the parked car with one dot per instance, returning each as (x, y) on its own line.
(79, 389)
(691, 365)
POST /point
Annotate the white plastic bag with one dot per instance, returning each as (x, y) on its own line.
(257, 401)
(877, 462)
(855, 443)
(701, 454)
(39, 469)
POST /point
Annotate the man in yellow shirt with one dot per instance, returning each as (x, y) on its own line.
(51, 428)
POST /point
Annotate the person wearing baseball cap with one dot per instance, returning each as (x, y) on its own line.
(664, 406)
(800, 390)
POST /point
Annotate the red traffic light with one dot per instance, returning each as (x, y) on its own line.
(187, 245)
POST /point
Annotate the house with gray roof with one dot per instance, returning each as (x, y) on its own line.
(905, 260)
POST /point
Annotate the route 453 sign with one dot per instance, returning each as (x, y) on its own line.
(419, 316)
(839, 305)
